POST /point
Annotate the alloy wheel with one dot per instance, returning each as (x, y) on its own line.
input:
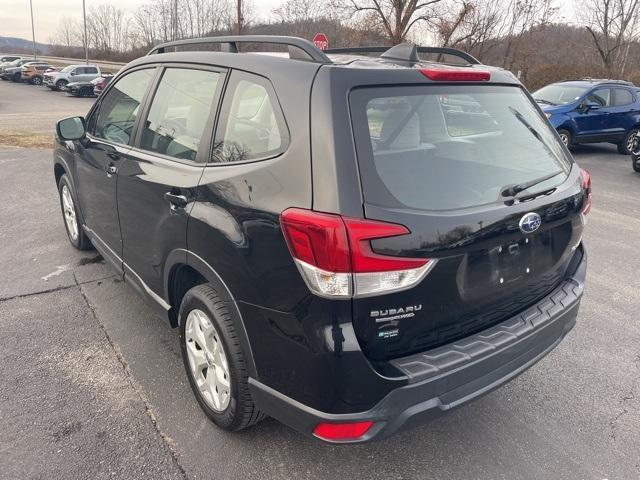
(207, 360)
(565, 139)
(631, 140)
(69, 212)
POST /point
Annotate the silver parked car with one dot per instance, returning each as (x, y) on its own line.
(71, 73)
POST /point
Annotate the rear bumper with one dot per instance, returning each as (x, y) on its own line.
(452, 375)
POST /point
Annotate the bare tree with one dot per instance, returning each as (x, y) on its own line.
(396, 18)
(611, 25)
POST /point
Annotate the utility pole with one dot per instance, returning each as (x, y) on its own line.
(33, 32)
(175, 19)
(86, 40)
(240, 19)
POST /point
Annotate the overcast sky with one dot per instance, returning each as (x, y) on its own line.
(16, 22)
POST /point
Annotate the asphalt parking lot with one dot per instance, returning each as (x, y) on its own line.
(92, 384)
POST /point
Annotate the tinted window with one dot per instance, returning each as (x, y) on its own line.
(90, 70)
(448, 147)
(601, 96)
(119, 108)
(622, 97)
(254, 127)
(179, 112)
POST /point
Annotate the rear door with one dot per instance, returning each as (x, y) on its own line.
(158, 180)
(440, 161)
(624, 112)
(89, 73)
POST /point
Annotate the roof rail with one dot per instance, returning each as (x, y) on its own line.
(600, 80)
(391, 54)
(295, 45)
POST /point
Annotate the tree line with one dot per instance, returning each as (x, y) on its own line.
(528, 37)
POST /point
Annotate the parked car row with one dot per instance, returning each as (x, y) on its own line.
(77, 80)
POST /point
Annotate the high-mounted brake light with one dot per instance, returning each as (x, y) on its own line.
(342, 431)
(455, 75)
(586, 185)
(335, 258)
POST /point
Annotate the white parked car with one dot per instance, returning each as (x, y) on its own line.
(71, 73)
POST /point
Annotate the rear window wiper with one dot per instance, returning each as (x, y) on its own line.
(513, 190)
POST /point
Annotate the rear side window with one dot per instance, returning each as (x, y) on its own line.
(622, 97)
(251, 124)
(120, 106)
(179, 112)
(451, 147)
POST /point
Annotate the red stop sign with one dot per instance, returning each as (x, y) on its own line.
(321, 41)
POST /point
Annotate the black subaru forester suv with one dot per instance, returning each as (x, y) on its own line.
(350, 244)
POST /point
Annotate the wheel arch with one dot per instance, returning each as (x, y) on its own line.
(184, 270)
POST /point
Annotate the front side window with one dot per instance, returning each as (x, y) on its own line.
(179, 112)
(451, 147)
(254, 127)
(120, 107)
(601, 97)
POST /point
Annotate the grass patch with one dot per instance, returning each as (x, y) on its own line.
(26, 139)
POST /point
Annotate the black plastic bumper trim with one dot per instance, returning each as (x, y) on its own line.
(478, 366)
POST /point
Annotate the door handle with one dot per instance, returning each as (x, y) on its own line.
(176, 200)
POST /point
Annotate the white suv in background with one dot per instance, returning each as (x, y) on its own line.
(71, 73)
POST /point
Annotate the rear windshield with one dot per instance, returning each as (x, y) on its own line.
(451, 147)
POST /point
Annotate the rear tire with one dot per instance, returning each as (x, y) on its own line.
(625, 147)
(204, 318)
(565, 136)
(635, 163)
(72, 223)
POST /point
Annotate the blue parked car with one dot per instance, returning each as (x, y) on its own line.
(591, 111)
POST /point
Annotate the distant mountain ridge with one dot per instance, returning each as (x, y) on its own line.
(17, 45)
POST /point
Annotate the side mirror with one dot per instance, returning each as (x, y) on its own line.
(73, 128)
(588, 106)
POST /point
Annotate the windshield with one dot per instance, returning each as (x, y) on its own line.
(67, 69)
(450, 147)
(559, 94)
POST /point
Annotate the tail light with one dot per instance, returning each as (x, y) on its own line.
(448, 74)
(335, 258)
(586, 185)
(342, 431)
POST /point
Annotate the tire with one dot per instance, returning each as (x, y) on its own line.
(36, 81)
(239, 411)
(77, 237)
(60, 84)
(625, 147)
(635, 163)
(566, 137)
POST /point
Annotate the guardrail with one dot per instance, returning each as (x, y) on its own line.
(111, 67)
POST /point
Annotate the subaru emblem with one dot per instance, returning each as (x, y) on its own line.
(530, 222)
